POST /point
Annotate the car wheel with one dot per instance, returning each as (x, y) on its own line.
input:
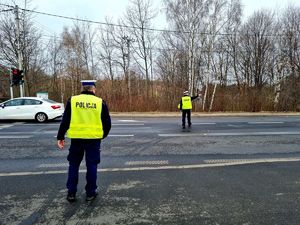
(41, 117)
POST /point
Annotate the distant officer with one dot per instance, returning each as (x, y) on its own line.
(86, 121)
(185, 106)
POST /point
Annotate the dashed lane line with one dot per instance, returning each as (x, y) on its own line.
(121, 135)
(177, 167)
(230, 134)
(138, 163)
(5, 126)
(15, 137)
(54, 165)
(28, 132)
(265, 122)
(204, 123)
(266, 160)
(129, 163)
(234, 125)
(128, 124)
(133, 121)
(117, 135)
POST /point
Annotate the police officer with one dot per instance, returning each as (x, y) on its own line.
(86, 121)
(185, 106)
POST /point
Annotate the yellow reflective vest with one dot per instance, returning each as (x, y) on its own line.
(86, 117)
(186, 102)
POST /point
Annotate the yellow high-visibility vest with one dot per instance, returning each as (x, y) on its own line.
(186, 102)
(86, 117)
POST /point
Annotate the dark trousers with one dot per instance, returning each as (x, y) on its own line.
(186, 112)
(91, 148)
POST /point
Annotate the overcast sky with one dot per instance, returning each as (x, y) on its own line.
(97, 10)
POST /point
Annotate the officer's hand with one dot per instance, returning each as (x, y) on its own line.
(61, 144)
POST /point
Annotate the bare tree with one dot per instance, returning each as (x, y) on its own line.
(289, 62)
(55, 68)
(32, 53)
(257, 47)
(256, 43)
(107, 52)
(76, 48)
(139, 16)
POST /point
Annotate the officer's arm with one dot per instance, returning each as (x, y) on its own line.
(65, 122)
(105, 118)
(180, 104)
(194, 97)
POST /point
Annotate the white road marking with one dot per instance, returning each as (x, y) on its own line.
(28, 132)
(6, 126)
(232, 125)
(190, 166)
(274, 122)
(218, 161)
(157, 162)
(48, 132)
(117, 135)
(33, 173)
(36, 124)
(128, 124)
(231, 134)
(127, 127)
(128, 121)
(204, 123)
(55, 165)
(121, 135)
(15, 137)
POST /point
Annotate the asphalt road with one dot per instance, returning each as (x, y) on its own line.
(224, 170)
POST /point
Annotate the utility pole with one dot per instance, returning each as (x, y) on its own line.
(20, 66)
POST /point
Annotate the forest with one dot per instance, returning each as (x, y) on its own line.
(236, 64)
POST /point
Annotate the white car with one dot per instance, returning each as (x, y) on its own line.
(30, 108)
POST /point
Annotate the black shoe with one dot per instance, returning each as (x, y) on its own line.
(183, 127)
(71, 197)
(190, 125)
(91, 197)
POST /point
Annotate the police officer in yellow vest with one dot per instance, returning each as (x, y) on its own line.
(185, 106)
(86, 121)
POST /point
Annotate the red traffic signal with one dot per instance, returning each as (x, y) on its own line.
(14, 71)
(17, 77)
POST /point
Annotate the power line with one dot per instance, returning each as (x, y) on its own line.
(132, 27)
(6, 10)
(120, 25)
(96, 22)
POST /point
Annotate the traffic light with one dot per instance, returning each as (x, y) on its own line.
(17, 77)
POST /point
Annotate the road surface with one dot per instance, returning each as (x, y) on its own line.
(225, 170)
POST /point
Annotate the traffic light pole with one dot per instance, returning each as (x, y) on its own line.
(10, 85)
(16, 10)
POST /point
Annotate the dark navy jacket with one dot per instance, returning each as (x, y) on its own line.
(66, 119)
